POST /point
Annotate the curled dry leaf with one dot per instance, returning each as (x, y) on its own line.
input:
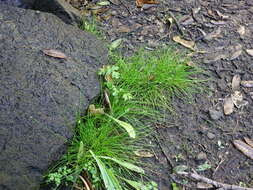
(249, 51)
(54, 53)
(236, 51)
(247, 84)
(244, 148)
(186, 43)
(248, 141)
(95, 111)
(228, 106)
(140, 3)
(143, 153)
(236, 82)
(237, 99)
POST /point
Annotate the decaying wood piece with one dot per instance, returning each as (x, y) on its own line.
(221, 186)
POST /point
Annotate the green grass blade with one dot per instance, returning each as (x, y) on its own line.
(127, 165)
(110, 181)
(129, 128)
(135, 184)
(80, 151)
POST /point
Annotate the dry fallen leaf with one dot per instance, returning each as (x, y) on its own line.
(237, 99)
(249, 51)
(236, 82)
(247, 84)
(54, 53)
(236, 51)
(241, 30)
(244, 148)
(95, 111)
(228, 106)
(248, 141)
(143, 153)
(186, 43)
(140, 3)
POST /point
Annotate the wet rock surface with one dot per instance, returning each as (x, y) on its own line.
(40, 96)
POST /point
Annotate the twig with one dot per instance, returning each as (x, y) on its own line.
(176, 22)
(164, 153)
(85, 183)
(221, 186)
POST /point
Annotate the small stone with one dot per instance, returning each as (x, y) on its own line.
(210, 135)
(214, 114)
(201, 156)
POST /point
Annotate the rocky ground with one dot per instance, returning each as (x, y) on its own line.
(220, 33)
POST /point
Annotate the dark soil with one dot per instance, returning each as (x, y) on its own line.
(199, 132)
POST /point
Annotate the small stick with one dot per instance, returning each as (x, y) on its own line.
(85, 183)
(221, 186)
(164, 153)
(176, 22)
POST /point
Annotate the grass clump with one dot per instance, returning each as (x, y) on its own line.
(102, 152)
(90, 25)
(154, 78)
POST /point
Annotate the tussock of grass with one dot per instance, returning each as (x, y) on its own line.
(155, 77)
(102, 152)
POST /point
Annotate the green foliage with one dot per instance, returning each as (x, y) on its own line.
(155, 77)
(90, 25)
(63, 174)
(204, 167)
(103, 145)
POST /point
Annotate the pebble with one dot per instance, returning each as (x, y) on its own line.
(201, 156)
(210, 135)
(214, 114)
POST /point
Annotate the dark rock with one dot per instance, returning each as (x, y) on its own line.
(60, 8)
(40, 96)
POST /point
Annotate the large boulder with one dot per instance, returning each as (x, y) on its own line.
(60, 8)
(40, 96)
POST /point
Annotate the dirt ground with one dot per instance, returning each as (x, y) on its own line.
(200, 132)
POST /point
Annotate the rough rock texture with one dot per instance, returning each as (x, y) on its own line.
(40, 96)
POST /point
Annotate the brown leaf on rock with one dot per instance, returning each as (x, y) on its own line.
(236, 82)
(247, 84)
(228, 106)
(249, 51)
(244, 148)
(54, 53)
(185, 43)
